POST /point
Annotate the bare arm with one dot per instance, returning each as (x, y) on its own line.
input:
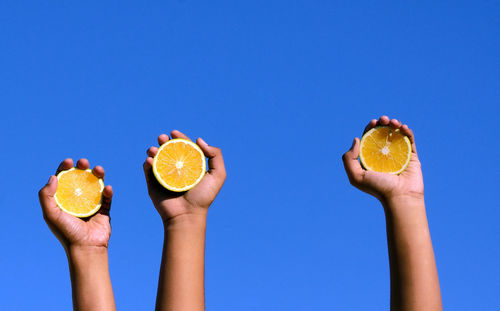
(85, 243)
(414, 278)
(184, 215)
(181, 283)
(90, 281)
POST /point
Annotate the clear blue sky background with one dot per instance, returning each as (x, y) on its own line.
(282, 87)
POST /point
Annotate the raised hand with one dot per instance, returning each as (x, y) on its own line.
(197, 200)
(383, 185)
(71, 230)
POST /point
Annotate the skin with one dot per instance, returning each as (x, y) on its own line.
(85, 242)
(414, 278)
(184, 215)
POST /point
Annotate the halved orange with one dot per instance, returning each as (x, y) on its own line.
(179, 165)
(384, 149)
(79, 192)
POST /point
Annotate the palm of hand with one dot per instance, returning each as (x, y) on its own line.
(171, 204)
(384, 185)
(71, 230)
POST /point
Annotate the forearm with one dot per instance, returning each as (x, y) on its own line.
(90, 281)
(414, 278)
(181, 285)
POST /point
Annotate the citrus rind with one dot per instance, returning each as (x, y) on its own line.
(188, 187)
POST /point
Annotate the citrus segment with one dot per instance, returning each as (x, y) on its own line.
(79, 192)
(179, 165)
(384, 149)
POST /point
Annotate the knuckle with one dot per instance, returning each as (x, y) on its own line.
(41, 193)
(217, 151)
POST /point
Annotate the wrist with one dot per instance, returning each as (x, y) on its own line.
(187, 220)
(395, 201)
(86, 251)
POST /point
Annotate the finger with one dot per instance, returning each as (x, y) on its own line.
(107, 196)
(163, 138)
(215, 160)
(370, 125)
(98, 171)
(352, 166)
(408, 132)
(395, 123)
(152, 151)
(384, 120)
(66, 164)
(177, 134)
(46, 197)
(83, 164)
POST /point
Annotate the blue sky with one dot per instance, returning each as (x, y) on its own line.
(282, 87)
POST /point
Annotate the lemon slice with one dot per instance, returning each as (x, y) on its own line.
(179, 165)
(384, 149)
(79, 192)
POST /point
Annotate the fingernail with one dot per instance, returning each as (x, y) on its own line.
(353, 143)
(50, 180)
(203, 142)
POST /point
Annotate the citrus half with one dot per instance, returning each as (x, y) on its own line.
(385, 149)
(179, 165)
(79, 192)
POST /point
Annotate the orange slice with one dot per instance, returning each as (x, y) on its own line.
(179, 165)
(384, 149)
(79, 192)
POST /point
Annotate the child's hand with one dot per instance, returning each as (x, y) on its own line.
(70, 230)
(382, 185)
(195, 201)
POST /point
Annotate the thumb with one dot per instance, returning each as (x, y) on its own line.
(46, 196)
(351, 164)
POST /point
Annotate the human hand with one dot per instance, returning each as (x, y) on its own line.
(195, 201)
(72, 231)
(385, 186)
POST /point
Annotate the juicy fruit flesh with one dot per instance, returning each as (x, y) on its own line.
(179, 165)
(79, 192)
(385, 149)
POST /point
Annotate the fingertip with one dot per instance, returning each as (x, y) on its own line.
(200, 142)
(384, 120)
(354, 141)
(162, 138)
(148, 163)
(83, 164)
(65, 164)
(178, 134)
(395, 123)
(175, 132)
(98, 171)
(49, 189)
(108, 191)
(152, 151)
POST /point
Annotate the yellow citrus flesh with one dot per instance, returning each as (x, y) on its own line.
(79, 192)
(179, 165)
(385, 149)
